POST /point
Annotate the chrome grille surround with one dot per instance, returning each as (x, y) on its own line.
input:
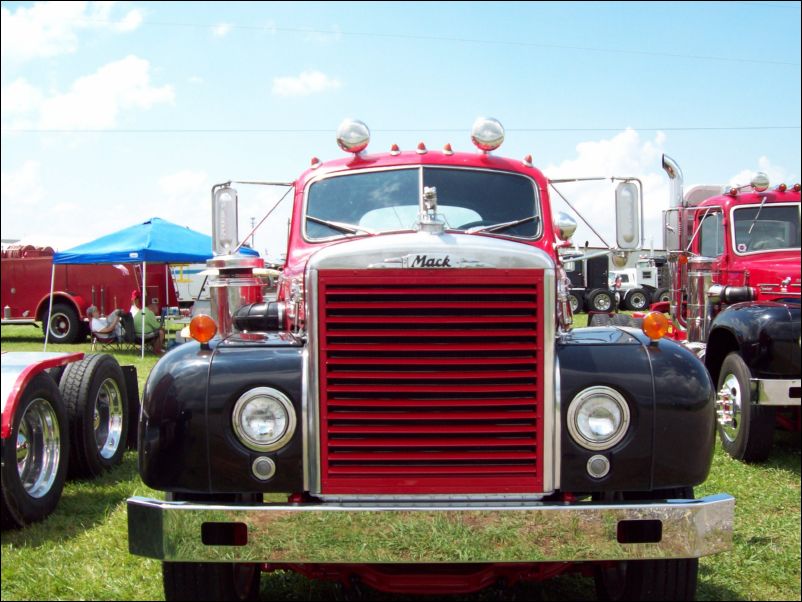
(465, 250)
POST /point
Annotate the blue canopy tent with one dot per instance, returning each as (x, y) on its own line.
(155, 241)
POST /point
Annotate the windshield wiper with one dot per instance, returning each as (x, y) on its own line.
(341, 226)
(503, 225)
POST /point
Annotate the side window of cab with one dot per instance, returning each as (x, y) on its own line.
(711, 235)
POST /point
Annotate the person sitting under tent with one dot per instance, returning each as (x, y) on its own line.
(154, 333)
(105, 329)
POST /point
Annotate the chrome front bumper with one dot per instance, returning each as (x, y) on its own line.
(447, 533)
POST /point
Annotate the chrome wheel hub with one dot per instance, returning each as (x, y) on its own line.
(38, 448)
(108, 418)
(729, 407)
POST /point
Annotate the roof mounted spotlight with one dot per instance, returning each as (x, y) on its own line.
(760, 183)
(353, 136)
(487, 134)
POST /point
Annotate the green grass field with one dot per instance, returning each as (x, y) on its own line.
(81, 551)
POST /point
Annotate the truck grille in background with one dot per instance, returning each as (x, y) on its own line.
(431, 381)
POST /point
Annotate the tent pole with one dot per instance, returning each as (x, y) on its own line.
(142, 312)
(46, 325)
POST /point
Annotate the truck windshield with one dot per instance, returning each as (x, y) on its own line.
(767, 228)
(365, 203)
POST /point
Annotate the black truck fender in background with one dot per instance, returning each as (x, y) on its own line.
(765, 334)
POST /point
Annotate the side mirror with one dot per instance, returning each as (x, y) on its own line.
(565, 226)
(627, 215)
(224, 220)
(671, 230)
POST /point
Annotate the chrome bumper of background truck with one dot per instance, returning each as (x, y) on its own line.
(191, 532)
(777, 392)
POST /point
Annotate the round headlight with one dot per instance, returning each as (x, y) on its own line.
(598, 418)
(487, 133)
(263, 419)
(353, 136)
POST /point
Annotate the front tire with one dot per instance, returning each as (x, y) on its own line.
(210, 581)
(746, 429)
(97, 405)
(35, 456)
(215, 580)
(648, 580)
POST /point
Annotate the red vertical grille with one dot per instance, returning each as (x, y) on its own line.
(431, 381)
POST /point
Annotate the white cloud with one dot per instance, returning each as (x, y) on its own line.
(195, 80)
(777, 174)
(623, 155)
(21, 97)
(22, 187)
(221, 30)
(93, 101)
(48, 29)
(308, 82)
(185, 200)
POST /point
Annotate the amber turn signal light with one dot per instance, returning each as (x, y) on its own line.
(655, 325)
(202, 328)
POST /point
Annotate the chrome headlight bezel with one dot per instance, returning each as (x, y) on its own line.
(598, 396)
(247, 439)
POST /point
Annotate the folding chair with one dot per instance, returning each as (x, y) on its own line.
(130, 339)
(106, 342)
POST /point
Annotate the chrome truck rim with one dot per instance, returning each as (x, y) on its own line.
(729, 407)
(108, 418)
(38, 448)
(59, 325)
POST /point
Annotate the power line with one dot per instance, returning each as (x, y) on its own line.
(385, 130)
(420, 37)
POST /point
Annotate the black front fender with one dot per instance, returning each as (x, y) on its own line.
(186, 438)
(670, 396)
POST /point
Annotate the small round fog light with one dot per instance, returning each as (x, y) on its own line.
(598, 466)
(263, 468)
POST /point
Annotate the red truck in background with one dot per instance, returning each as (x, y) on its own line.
(26, 275)
(734, 260)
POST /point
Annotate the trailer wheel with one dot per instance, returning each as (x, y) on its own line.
(673, 579)
(661, 295)
(600, 300)
(746, 429)
(36, 455)
(637, 299)
(97, 405)
(63, 325)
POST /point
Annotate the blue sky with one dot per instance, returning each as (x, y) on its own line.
(586, 88)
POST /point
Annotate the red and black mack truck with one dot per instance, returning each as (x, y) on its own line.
(734, 260)
(413, 412)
